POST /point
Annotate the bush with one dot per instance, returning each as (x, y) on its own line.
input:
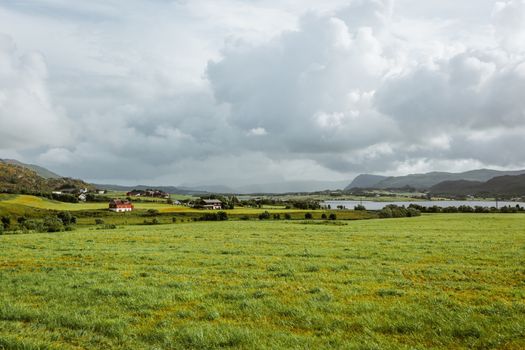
(6, 222)
(222, 216)
(152, 212)
(386, 213)
(53, 224)
(308, 216)
(67, 218)
(34, 225)
(174, 219)
(153, 221)
(277, 216)
(333, 216)
(360, 207)
(1, 230)
(264, 216)
(323, 216)
(107, 227)
(287, 216)
(99, 222)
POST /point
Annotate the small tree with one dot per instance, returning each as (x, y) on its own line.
(264, 216)
(333, 216)
(222, 216)
(66, 218)
(277, 216)
(53, 224)
(323, 216)
(99, 222)
(308, 216)
(6, 222)
(287, 216)
(360, 207)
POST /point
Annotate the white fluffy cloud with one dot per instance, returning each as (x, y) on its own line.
(262, 89)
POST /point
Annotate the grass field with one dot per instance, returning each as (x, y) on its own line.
(433, 282)
(30, 206)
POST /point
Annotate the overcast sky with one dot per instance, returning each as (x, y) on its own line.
(252, 91)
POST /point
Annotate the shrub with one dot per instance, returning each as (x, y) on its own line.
(67, 218)
(333, 216)
(153, 221)
(308, 216)
(152, 212)
(222, 216)
(107, 227)
(360, 207)
(34, 225)
(6, 222)
(264, 216)
(385, 213)
(324, 217)
(277, 216)
(1, 230)
(53, 224)
(287, 216)
(174, 219)
(99, 222)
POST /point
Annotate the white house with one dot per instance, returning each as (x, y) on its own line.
(212, 204)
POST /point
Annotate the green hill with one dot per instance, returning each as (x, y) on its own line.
(20, 179)
(41, 171)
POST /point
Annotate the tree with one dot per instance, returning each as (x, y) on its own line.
(333, 216)
(287, 216)
(222, 216)
(6, 222)
(323, 216)
(53, 224)
(308, 216)
(264, 216)
(66, 218)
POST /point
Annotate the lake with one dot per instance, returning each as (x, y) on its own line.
(370, 205)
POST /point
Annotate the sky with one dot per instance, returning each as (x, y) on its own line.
(235, 92)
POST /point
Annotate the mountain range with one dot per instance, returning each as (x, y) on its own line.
(509, 185)
(426, 181)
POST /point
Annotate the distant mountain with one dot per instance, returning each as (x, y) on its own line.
(509, 185)
(41, 171)
(20, 179)
(365, 181)
(291, 187)
(167, 189)
(426, 181)
(272, 188)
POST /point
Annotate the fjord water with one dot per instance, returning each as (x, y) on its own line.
(371, 205)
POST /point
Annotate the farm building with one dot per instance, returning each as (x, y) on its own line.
(120, 205)
(212, 204)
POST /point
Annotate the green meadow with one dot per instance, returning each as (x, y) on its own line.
(432, 282)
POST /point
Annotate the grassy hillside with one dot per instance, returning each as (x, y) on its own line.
(41, 171)
(20, 179)
(434, 282)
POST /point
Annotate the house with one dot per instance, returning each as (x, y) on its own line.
(119, 205)
(82, 197)
(212, 204)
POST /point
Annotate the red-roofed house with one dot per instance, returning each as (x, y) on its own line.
(119, 205)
